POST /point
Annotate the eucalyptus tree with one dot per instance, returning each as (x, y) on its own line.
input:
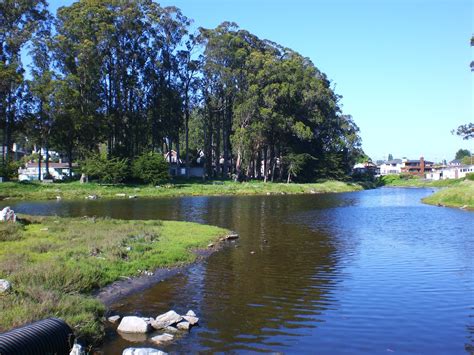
(19, 20)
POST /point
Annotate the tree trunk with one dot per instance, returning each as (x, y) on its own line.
(186, 129)
(39, 165)
(265, 171)
(47, 158)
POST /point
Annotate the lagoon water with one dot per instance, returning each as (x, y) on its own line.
(364, 272)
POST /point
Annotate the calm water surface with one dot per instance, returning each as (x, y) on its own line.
(365, 272)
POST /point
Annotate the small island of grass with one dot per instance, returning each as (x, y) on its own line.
(54, 264)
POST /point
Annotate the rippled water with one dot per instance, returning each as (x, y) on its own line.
(365, 272)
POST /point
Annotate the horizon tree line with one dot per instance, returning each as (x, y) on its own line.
(134, 77)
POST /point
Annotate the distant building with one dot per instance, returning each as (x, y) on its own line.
(393, 166)
(174, 170)
(416, 167)
(366, 168)
(449, 172)
(57, 170)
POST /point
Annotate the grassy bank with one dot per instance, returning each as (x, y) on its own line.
(413, 181)
(54, 263)
(75, 190)
(459, 195)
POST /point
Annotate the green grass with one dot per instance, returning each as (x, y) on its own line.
(54, 264)
(459, 195)
(414, 181)
(75, 190)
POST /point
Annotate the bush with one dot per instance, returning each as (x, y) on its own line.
(114, 170)
(9, 170)
(151, 168)
(470, 176)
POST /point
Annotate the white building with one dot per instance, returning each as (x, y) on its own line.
(391, 167)
(30, 172)
(450, 172)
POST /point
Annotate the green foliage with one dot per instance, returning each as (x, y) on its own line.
(462, 153)
(113, 170)
(470, 176)
(9, 170)
(301, 167)
(151, 168)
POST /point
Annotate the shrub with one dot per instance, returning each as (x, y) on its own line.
(9, 170)
(113, 170)
(470, 176)
(151, 168)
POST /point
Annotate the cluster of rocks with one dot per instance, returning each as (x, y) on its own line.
(163, 328)
(7, 215)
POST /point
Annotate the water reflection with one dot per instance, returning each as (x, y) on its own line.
(373, 271)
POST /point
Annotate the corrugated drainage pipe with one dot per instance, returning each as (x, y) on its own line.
(48, 336)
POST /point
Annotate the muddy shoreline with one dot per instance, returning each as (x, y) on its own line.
(120, 289)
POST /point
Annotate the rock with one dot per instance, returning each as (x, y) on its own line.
(44, 229)
(183, 325)
(171, 329)
(166, 319)
(142, 351)
(5, 286)
(163, 338)
(132, 196)
(92, 197)
(464, 207)
(113, 319)
(312, 191)
(192, 320)
(77, 349)
(58, 197)
(132, 324)
(191, 313)
(252, 252)
(120, 195)
(210, 245)
(232, 236)
(7, 215)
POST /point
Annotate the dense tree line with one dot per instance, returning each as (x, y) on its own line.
(132, 77)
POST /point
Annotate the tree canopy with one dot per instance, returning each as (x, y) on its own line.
(132, 75)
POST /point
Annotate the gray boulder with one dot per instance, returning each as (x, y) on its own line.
(113, 319)
(166, 319)
(183, 325)
(133, 324)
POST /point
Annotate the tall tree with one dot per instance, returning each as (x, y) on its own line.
(19, 20)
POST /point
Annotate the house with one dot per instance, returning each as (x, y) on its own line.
(393, 166)
(18, 151)
(174, 170)
(449, 172)
(416, 167)
(57, 170)
(367, 168)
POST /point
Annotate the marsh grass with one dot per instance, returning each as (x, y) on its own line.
(459, 195)
(75, 190)
(54, 263)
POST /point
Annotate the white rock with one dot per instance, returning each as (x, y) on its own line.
(7, 215)
(183, 325)
(133, 324)
(120, 195)
(191, 313)
(142, 351)
(171, 329)
(77, 350)
(191, 320)
(163, 338)
(5, 286)
(113, 319)
(166, 319)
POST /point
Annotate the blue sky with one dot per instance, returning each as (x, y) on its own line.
(402, 66)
